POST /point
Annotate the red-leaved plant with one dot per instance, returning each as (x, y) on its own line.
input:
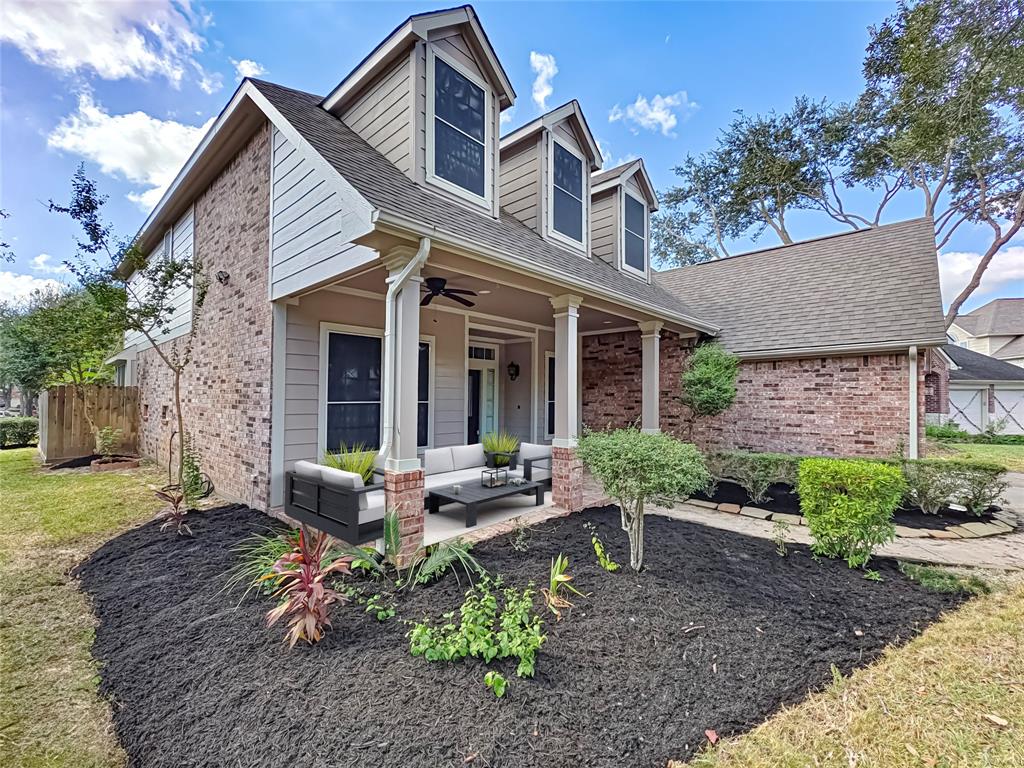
(299, 577)
(175, 515)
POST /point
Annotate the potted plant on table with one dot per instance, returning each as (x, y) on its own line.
(501, 449)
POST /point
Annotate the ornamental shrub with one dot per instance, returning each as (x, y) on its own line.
(708, 383)
(849, 505)
(16, 431)
(932, 483)
(979, 484)
(636, 467)
(948, 431)
(754, 472)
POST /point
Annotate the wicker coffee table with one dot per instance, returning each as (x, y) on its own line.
(472, 495)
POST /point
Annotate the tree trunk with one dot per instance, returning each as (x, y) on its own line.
(181, 425)
(636, 537)
(26, 403)
(998, 242)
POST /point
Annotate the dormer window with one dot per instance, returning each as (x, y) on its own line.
(567, 209)
(458, 130)
(634, 235)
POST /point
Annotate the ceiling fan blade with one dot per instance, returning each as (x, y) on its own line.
(461, 300)
(427, 299)
(463, 291)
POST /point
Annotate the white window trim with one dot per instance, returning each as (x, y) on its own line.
(433, 178)
(553, 233)
(645, 273)
(326, 329)
(548, 394)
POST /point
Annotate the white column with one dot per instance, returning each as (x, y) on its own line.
(650, 339)
(407, 355)
(567, 423)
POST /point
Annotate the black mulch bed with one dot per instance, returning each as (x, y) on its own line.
(782, 498)
(620, 682)
(77, 463)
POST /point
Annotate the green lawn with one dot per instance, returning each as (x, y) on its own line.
(1010, 456)
(50, 714)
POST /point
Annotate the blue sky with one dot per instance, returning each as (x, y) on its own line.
(127, 89)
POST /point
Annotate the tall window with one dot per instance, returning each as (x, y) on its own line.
(634, 238)
(459, 125)
(354, 387)
(567, 194)
(549, 396)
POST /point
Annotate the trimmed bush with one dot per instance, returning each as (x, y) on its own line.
(754, 472)
(16, 431)
(980, 484)
(948, 431)
(849, 505)
(933, 483)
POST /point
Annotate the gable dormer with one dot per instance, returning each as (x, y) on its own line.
(429, 99)
(622, 201)
(545, 175)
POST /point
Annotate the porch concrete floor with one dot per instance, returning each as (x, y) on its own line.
(450, 520)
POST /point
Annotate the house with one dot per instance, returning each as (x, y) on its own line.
(996, 329)
(391, 271)
(984, 393)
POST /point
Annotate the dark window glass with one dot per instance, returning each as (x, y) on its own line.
(636, 233)
(568, 218)
(635, 215)
(568, 171)
(635, 251)
(352, 423)
(423, 395)
(458, 159)
(422, 424)
(353, 369)
(457, 101)
(551, 397)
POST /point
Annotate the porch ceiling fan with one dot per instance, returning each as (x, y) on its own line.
(435, 286)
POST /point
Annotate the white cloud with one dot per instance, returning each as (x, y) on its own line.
(135, 39)
(607, 155)
(508, 115)
(15, 287)
(143, 149)
(660, 113)
(41, 263)
(248, 68)
(956, 268)
(543, 65)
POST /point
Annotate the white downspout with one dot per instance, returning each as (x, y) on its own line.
(912, 371)
(395, 284)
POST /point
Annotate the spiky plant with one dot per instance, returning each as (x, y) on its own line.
(444, 556)
(358, 459)
(176, 511)
(257, 554)
(558, 583)
(498, 443)
(300, 580)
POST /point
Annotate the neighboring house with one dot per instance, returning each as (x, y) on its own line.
(983, 392)
(335, 225)
(996, 329)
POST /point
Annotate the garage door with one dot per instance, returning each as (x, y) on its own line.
(1009, 407)
(965, 408)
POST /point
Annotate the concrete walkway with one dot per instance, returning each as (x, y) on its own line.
(999, 552)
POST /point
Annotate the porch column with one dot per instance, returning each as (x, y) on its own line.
(566, 469)
(650, 342)
(403, 477)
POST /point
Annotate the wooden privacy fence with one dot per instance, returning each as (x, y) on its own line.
(64, 430)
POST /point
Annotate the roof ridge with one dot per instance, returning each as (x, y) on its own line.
(784, 246)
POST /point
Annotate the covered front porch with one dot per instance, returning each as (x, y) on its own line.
(425, 348)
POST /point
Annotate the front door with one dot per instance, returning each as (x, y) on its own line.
(473, 419)
(482, 391)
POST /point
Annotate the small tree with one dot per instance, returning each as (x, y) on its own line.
(140, 294)
(707, 386)
(634, 468)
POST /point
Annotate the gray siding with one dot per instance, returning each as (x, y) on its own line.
(604, 227)
(383, 115)
(516, 397)
(312, 223)
(520, 183)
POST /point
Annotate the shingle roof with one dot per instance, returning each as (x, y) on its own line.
(974, 366)
(870, 287)
(390, 190)
(1000, 317)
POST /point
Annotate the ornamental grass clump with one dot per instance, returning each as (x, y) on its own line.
(299, 578)
(356, 459)
(497, 444)
(849, 506)
(636, 468)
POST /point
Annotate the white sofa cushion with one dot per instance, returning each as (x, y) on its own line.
(466, 456)
(462, 476)
(534, 451)
(437, 460)
(308, 470)
(339, 478)
(374, 509)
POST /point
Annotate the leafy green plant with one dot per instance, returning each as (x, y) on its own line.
(486, 630)
(780, 529)
(496, 443)
(930, 484)
(948, 431)
(18, 430)
(943, 580)
(558, 585)
(602, 556)
(444, 556)
(257, 554)
(519, 542)
(382, 608)
(849, 505)
(872, 575)
(979, 484)
(299, 577)
(107, 440)
(636, 468)
(193, 482)
(356, 459)
(754, 472)
(707, 386)
(496, 682)
(175, 514)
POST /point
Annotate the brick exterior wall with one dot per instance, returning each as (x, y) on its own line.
(226, 390)
(566, 479)
(403, 493)
(936, 385)
(853, 405)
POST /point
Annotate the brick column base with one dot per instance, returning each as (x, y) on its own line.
(566, 479)
(403, 493)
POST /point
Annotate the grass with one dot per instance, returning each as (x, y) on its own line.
(1010, 456)
(953, 696)
(50, 714)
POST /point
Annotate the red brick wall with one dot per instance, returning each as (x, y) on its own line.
(848, 406)
(226, 391)
(936, 384)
